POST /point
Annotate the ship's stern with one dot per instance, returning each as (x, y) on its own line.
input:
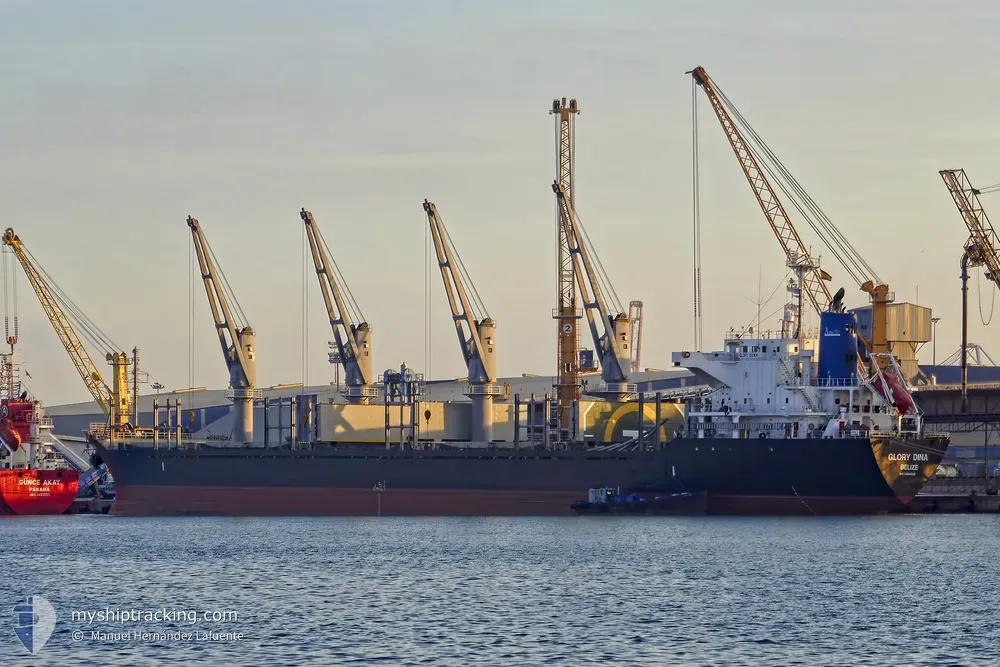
(907, 463)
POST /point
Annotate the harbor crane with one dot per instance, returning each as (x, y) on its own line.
(761, 166)
(475, 328)
(566, 313)
(235, 337)
(115, 400)
(609, 324)
(981, 249)
(351, 332)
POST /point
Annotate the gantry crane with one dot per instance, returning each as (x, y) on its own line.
(760, 165)
(351, 332)
(236, 338)
(475, 328)
(115, 401)
(981, 249)
(611, 337)
(566, 312)
(635, 318)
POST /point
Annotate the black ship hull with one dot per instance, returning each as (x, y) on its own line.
(765, 476)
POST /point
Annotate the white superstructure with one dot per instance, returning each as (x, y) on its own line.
(768, 386)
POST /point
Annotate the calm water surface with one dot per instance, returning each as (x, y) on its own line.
(908, 590)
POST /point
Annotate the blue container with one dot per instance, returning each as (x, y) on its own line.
(838, 346)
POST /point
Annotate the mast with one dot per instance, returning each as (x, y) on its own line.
(566, 313)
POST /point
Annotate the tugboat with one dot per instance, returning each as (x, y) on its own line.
(34, 477)
(610, 500)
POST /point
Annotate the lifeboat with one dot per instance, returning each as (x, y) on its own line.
(900, 396)
(9, 434)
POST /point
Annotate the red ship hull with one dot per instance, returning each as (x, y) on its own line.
(34, 492)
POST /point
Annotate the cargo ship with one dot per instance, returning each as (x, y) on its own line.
(34, 479)
(789, 426)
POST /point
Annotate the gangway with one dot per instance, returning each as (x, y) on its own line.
(76, 460)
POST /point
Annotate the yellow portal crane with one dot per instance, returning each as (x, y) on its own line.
(115, 401)
(760, 166)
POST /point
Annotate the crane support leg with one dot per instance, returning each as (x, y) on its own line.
(965, 332)
(482, 418)
(243, 415)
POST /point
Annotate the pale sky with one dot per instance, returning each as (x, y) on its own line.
(118, 119)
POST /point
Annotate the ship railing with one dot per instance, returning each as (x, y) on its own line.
(716, 408)
(100, 431)
(835, 382)
(44, 422)
(361, 392)
(691, 391)
(613, 388)
(487, 390)
(255, 394)
(575, 315)
(770, 334)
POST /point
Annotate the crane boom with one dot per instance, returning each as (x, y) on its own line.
(796, 253)
(353, 339)
(812, 278)
(481, 368)
(237, 343)
(983, 242)
(611, 339)
(635, 319)
(235, 356)
(114, 403)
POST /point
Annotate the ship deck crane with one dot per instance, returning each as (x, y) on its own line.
(115, 401)
(981, 249)
(609, 324)
(761, 166)
(351, 332)
(235, 337)
(475, 328)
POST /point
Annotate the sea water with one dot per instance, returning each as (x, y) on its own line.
(896, 590)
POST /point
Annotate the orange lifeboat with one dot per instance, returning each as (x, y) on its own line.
(9, 434)
(900, 396)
